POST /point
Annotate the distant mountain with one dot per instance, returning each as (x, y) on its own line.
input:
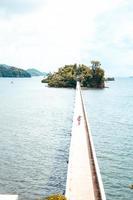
(35, 72)
(11, 71)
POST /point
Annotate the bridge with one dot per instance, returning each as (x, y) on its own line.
(83, 178)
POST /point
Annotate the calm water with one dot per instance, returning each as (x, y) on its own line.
(110, 113)
(35, 125)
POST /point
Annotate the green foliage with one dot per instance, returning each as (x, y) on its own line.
(55, 197)
(95, 63)
(67, 76)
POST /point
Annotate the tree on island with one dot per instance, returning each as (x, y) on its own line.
(90, 77)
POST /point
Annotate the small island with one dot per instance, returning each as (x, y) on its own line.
(10, 71)
(110, 79)
(66, 77)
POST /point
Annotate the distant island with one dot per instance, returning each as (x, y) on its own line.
(11, 71)
(35, 72)
(110, 79)
(89, 77)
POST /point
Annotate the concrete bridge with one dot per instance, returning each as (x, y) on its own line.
(83, 179)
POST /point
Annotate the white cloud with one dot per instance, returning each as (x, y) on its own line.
(112, 42)
(60, 32)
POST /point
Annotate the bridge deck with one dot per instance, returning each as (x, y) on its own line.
(81, 183)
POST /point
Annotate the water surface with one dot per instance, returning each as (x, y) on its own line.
(110, 114)
(35, 125)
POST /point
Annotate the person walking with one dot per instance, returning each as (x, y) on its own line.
(79, 119)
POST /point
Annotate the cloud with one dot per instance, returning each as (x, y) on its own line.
(112, 42)
(62, 32)
(51, 36)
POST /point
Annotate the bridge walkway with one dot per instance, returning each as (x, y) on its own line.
(81, 178)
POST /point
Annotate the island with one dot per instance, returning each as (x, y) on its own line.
(66, 77)
(110, 79)
(11, 71)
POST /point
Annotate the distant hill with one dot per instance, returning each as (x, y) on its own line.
(35, 72)
(11, 71)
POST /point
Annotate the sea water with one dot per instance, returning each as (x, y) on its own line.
(110, 113)
(35, 126)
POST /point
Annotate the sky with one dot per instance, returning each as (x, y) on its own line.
(47, 34)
